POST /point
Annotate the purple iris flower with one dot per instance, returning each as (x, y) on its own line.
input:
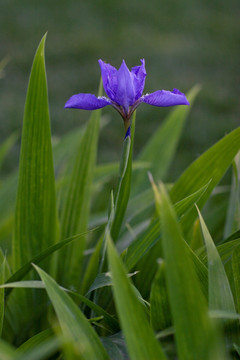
(124, 89)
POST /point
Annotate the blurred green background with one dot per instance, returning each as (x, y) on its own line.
(183, 42)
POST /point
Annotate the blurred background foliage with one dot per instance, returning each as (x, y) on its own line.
(183, 42)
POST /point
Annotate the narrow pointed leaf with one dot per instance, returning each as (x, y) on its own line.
(140, 338)
(75, 326)
(211, 166)
(236, 275)
(2, 279)
(19, 274)
(146, 240)
(220, 294)
(35, 217)
(35, 284)
(160, 311)
(92, 267)
(233, 214)
(36, 340)
(41, 351)
(195, 335)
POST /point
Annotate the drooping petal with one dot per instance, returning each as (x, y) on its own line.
(109, 78)
(165, 98)
(139, 75)
(125, 95)
(87, 102)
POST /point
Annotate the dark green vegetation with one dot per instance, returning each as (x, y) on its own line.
(184, 43)
(133, 274)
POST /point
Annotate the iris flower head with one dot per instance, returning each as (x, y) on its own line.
(124, 89)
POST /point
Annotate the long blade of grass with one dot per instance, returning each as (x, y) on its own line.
(75, 326)
(161, 147)
(140, 338)
(19, 274)
(146, 240)
(160, 312)
(236, 275)
(220, 294)
(2, 279)
(233, 214)
(211, 166)
(195, 335)
(35, 217)
(35, 340)
(225, 251)
(36, 284)
(219, 290)
(40, 351)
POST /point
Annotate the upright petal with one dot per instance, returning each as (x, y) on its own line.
(139, 75)
(87, 102)
(109, 78)
(165, 98)
(125, 95)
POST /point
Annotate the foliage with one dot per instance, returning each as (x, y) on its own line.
(86, 277)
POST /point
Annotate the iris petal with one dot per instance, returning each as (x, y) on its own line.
(165, 98)
(139, 75)
(109, 78)
(125, 95)
(87, 102)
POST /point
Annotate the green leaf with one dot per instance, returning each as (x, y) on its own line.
(92, 266)
(160, 311)
(35, 225)
(233, 214)
(2, 279)
(195, 335)
(161, 147)
(236, 275)
(225, 251)
(210, 166)
(41, 351)
(39, 347)
(18, 275)
(220, 294)
(75, 213)
(35, 284)
(237, 348)
(35, 340)
(140, 338)
(148, 238)
(75, 326)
